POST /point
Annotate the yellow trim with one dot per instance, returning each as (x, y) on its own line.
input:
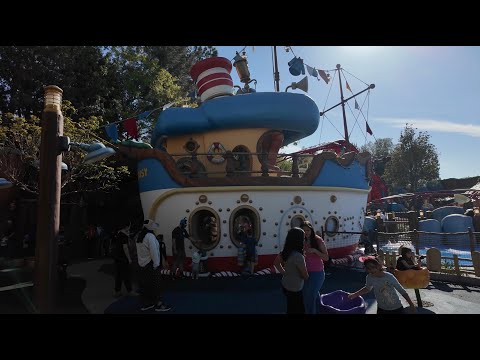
(167, 194)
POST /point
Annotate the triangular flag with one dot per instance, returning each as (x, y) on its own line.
(112, 131)
(356, 105)
(130, 126)
(144, 115)
(348, 86)
(368, 129)
(311, 71)
(323, 75)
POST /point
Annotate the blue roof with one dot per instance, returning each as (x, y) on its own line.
(296, 115)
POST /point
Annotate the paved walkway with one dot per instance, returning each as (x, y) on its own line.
(89, 289)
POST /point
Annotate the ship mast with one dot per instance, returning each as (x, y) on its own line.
(276, 73)
(343, 102)
(345, 127)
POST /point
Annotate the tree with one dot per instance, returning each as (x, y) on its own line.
(86, 77)
(19, 155)
(414, 161)
(380, 150)
(152, 76)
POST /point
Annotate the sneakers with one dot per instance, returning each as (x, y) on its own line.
(163, 307)
(147, 307)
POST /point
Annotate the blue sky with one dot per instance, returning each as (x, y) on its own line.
(436, 89)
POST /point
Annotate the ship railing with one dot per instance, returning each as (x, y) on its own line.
(240, 163)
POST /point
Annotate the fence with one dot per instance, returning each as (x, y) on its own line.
(456, 253)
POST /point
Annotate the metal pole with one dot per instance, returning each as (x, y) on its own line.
(48, 211)
(276, 73)
(345, 127)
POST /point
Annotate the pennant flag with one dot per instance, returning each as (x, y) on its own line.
(145, 114)
(112, 131)
(130, 126)
(368, 129)
(324, 76)
(356, 105)
(311, 71)
(348, 86)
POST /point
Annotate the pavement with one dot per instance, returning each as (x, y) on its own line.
(89, 290)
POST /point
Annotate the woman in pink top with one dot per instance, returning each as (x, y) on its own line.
(315, 253)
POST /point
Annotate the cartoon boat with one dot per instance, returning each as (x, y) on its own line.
(216, 165)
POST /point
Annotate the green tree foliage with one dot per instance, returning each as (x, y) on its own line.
(20, 157)
(83, 72)
(414, 161)
(380, 150)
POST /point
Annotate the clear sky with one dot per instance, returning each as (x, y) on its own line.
(436, 89)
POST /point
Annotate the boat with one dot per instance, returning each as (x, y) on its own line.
(217, 166)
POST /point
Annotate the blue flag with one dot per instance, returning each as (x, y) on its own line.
(112, 131)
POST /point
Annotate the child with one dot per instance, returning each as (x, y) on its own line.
(196, 256)
(384, 285)
(407, 260)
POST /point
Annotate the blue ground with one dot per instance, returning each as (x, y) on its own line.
(239, 295)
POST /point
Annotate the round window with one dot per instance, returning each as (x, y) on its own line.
(331, 225)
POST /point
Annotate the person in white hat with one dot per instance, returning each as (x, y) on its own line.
(148, 253)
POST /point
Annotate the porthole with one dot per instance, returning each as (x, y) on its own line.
(331, 225)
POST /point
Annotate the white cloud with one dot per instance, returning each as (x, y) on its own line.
(434, 125)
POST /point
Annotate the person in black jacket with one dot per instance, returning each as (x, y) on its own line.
(178, 247)
(123, 261)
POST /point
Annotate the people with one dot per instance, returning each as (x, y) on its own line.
(178, 248)
(148, 254)
(407, 260)
(384, 285)
(250, 244)
(315, 254)
(291, 264)
(122, 259)
(196, 256)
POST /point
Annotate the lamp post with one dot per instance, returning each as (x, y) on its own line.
(48, 211)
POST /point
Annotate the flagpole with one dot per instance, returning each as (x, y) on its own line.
(345, 127)
(276, 73)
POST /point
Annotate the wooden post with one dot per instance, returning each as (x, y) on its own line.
(476, 263)
(295, 165)
(416, 241)
(456, 265)
(48, 210)
(471, 236)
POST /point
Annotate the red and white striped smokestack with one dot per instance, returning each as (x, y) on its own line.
(212, 77)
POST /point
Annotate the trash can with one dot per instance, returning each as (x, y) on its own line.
(337, 302)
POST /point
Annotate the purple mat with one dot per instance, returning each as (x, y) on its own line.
(337, 302)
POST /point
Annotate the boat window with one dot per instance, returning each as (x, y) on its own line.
(184, 165)
(296, 221)
(242, 162)
(244, 216)
(331, 225)
(205, 225)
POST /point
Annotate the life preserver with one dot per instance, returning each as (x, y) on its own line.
(216, 153)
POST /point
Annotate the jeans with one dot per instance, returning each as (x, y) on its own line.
(310, 290)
